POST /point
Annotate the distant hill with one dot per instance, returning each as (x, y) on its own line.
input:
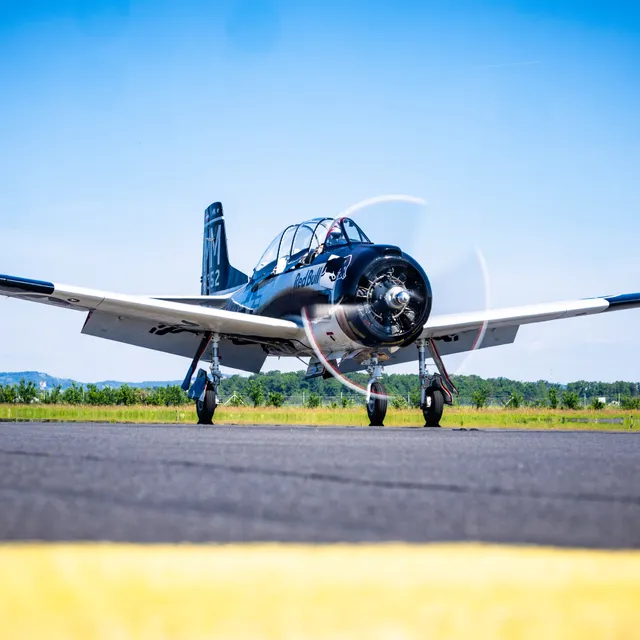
(14, 377)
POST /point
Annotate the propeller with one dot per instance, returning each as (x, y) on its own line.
(390, 300)
(460, 285)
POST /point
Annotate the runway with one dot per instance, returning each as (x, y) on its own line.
(144, 483)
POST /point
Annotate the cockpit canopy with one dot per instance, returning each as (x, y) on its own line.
(301, 243)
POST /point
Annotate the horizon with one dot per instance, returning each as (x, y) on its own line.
(302, 371)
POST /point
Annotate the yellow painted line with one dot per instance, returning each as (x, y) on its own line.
(289, 592)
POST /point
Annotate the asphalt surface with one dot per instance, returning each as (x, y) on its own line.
(149, 483)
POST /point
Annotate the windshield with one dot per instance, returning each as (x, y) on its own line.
(302, 242)
(345, 231)
(354, 232)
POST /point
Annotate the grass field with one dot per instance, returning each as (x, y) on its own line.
(607, 419)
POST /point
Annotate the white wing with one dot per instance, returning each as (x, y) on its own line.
(162, 325)
(459, 332)
(492, 319)
(167, 312)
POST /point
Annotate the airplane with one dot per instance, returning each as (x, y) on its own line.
(321, 290)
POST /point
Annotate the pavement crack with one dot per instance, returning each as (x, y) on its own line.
(392, 485)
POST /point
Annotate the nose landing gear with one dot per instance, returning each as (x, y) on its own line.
(376, 398)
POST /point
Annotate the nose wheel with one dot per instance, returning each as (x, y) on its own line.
(376, 396)
(377, 405)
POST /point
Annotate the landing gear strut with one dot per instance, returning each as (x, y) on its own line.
(435, 390)
(376, 398)
(205, 388)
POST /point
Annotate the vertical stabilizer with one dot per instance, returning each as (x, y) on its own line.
(217, 273)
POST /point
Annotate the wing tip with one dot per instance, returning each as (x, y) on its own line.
(623, 301)
(15, 285)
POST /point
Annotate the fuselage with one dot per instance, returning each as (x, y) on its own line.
(346, 291)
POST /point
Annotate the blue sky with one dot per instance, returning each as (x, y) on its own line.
(120, 121)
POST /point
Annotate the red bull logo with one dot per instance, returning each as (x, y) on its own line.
(308, 279)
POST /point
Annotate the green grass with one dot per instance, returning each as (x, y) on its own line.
(354, 416)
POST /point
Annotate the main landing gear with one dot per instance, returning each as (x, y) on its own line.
(205, 388)
(206, 405)
(208, 401)
(435, 390)
(376, 397)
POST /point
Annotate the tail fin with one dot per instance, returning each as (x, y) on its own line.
(217, 273)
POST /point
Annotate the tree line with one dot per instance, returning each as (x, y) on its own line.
(276, 388)
(497, 390)
(28, 392)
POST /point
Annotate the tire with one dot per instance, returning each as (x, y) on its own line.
(432, 411)
(207, 407)
(377, 407)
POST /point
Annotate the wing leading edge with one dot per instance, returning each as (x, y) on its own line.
(460, 332)
(168, 325)
(447, 325)
(167, 312)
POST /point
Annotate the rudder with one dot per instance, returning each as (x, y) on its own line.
(217, 272)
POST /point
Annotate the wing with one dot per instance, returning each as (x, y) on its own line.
(449, 326)
(459, 332)
(163, 325)
(235, 352)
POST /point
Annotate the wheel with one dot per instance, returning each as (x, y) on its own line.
(434, 406)
(377, 407)
(207, 406)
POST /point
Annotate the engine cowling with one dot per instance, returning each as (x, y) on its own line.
(384, 299)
